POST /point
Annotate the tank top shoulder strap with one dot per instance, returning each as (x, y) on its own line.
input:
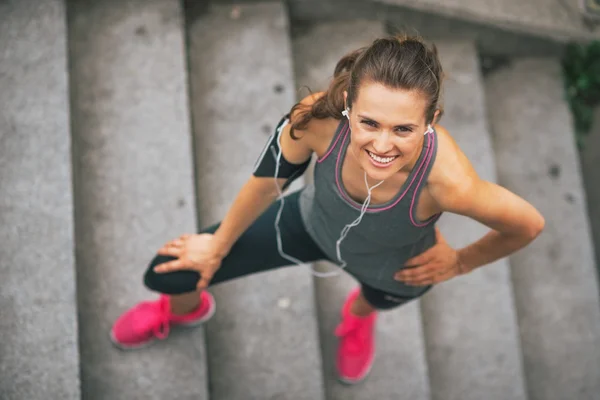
(429, 155)
(341, 130)
(421, 180)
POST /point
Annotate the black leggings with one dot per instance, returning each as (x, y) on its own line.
(256, 251)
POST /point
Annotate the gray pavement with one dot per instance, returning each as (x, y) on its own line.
(134, 187)
(263, 340)
(400, 369)
(38, 317)
(554, 278)
(470, 322)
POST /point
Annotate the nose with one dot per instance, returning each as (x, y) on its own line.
(382, 143)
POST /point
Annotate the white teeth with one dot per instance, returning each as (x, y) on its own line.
(383, 160)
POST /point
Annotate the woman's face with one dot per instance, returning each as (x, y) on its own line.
(387, 129)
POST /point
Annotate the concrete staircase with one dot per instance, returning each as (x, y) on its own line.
(553, 279)
(114, 119)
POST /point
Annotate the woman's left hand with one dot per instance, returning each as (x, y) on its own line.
(439, 263)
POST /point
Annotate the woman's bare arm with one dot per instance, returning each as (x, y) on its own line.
(513, 221)
(259, 192)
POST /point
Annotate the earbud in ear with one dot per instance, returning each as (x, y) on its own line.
(345, 113)
(429, 129)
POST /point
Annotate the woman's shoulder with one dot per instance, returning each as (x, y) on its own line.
(451, 169)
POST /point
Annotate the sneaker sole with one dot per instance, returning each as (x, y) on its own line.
(122, 346)
(350, 381)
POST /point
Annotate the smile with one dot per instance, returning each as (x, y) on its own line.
(381, 160)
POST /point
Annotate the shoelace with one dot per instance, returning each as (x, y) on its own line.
(349, 329)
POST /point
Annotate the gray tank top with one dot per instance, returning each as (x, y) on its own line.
(388, 235)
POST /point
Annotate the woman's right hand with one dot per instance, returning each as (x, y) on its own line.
(193, 252)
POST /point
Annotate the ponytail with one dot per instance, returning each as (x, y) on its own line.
(331, 104)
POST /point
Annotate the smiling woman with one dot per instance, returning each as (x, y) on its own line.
(385, 172)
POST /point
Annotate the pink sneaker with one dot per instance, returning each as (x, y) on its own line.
(140, 325)
(356, 349)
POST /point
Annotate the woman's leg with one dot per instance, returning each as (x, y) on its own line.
(370, 300)
(356, 349)
(180, 303)
(255, 251)
(361, 307)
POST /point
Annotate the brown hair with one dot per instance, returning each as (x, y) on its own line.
(398, 62)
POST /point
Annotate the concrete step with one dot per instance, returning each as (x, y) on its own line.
(555, 19)
(590, 168)
(554, 279)
(133, 187)
(263, 341)
(400, 370)
(502, 32)
(39, 358)
(470, 322)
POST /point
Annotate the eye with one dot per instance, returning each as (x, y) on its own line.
(370, 123)
(404, 129)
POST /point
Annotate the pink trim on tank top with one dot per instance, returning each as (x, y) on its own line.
(350, 201)
(412, 203)
(344, 129)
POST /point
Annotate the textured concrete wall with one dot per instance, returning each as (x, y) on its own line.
(263, 342)
(38, 318)
(400, 369)
(554, 278)
(134, 187)
(470, 322)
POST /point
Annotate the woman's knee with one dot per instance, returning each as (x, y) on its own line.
(177, 282)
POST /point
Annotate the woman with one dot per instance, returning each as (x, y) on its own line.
(384, 174)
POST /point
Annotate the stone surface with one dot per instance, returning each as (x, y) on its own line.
(558, 19)
(489, 39)
(38, 353)
(241, 84)
(324, 11)
(470, 322)
(554, 279)
(133, 187)
(400, 369)
(590, 168)
(434, 22)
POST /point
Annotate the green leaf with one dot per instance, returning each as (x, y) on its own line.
(581, 72)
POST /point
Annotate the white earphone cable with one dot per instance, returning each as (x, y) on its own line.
(345, 230)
